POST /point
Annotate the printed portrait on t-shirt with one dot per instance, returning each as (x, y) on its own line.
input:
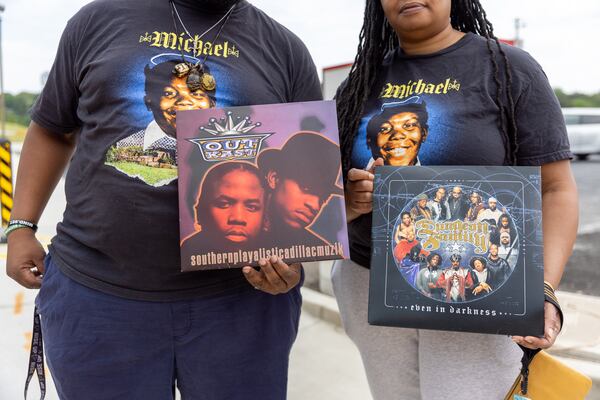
(397, 132)
(172, 73)
(414, 122)
(151, 154)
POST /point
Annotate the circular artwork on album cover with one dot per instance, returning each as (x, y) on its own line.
(455, 243)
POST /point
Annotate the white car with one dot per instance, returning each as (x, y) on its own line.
(583, 127)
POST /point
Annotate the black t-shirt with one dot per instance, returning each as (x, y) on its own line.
(112, 84)
(446, 103)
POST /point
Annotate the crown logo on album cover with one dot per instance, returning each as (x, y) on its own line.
(229, 139)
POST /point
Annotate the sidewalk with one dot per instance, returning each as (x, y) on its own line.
(578, 346)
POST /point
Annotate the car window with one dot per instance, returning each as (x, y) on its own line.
(572, 119)
(590, 119)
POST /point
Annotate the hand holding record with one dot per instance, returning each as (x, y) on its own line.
(552, 326)
(359, 191)
(274, 276)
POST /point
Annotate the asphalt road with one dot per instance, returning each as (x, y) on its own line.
(582, 274)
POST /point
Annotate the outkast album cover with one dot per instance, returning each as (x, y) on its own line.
(458, 248)
(258, 181)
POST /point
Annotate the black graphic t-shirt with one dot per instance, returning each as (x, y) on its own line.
(112, 83)
(440, 109)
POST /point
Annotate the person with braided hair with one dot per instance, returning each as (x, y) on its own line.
(487, 103)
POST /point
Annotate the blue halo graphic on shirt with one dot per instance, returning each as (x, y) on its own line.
(434, 238)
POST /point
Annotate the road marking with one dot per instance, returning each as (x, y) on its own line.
(28, 336)
(18, 309)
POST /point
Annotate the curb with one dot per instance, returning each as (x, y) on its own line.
(321, 306)
(574, 343)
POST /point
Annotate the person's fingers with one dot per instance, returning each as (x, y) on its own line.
(272, 277)
(362, 197)
(551, 334)
(254, 277)
(532, 342)
(356, 174)
(551, 317)
(361, 186)
(551, 326)
(290, 275)
(362, 208)
(39, 263)
(378, 163)
(26, 276)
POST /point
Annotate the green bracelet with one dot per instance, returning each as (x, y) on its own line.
(14, 227)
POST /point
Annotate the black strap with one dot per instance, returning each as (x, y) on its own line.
(528, 354)
(36, 356)
(526, 360)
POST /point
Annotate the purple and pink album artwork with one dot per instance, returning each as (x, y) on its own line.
(258, 181)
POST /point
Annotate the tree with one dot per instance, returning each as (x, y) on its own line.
(18, 107)
(577, 99)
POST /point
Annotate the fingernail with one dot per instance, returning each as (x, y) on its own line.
(529, 341)
(371, 176)
(274, 259)
(262, 263)
(246, 270)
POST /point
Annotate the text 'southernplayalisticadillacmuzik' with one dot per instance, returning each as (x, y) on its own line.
(458, 248)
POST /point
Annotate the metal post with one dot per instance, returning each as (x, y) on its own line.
(2, 100)
(5, 159)
(518, 25)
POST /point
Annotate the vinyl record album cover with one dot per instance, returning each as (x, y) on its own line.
(458, 248)
(257, 181)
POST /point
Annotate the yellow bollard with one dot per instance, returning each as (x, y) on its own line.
(6, 186)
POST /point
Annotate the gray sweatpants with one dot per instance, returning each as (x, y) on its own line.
(422, 364)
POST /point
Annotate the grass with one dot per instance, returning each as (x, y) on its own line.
(15, 132)
(150, 175)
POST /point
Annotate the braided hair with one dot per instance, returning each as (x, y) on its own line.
(377, 38)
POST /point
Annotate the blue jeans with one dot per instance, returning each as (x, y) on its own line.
(99, 346)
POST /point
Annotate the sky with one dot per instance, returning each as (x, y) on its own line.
(562, 36)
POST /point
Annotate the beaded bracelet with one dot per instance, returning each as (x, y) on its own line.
(551, 298)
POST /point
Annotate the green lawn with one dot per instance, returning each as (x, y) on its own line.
(150, 175)
(15, 132)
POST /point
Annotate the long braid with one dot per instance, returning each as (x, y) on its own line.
(377, 38)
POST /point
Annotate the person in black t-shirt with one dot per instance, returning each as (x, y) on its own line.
(112, 288)
(488, 104)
